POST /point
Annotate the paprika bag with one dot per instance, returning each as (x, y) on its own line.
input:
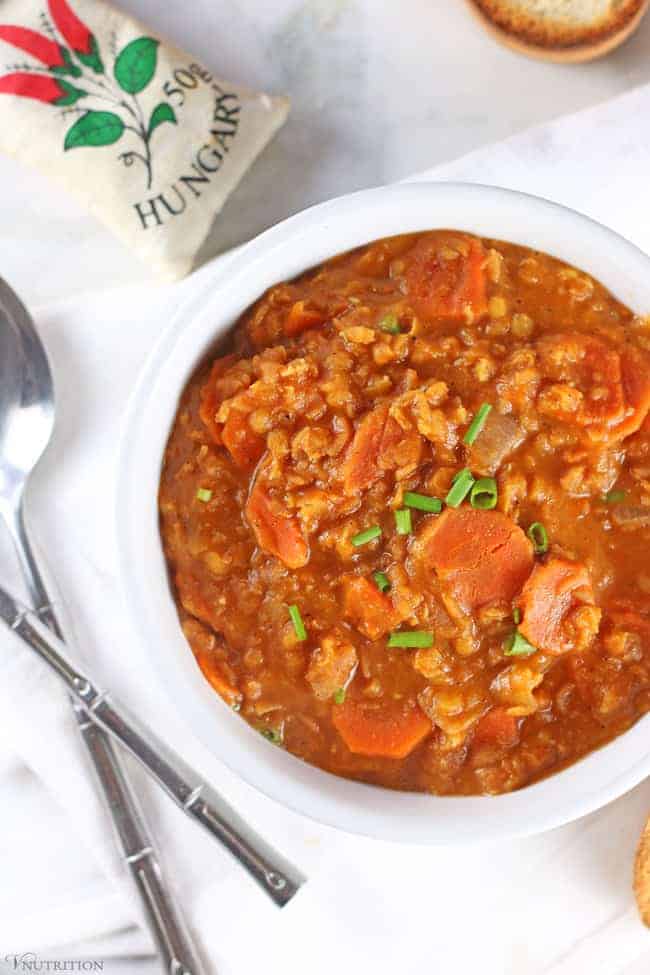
(149, 140)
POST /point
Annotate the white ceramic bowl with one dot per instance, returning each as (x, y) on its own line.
(281, 253)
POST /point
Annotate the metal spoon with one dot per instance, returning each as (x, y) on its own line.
(26, 422)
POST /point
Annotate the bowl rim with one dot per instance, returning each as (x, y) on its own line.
(280, 253)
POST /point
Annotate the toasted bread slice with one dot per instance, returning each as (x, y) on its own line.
(562, 30)
(642, 875)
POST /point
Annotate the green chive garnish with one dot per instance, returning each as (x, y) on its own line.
(272, 734)
(411, 638)
(518, 646)
(203, 494)
(484, 494)
(381, 581)
(422, 502)
(615, 497)
(389, 323)
(367, 535)
(460, 488)
(477, 424)
(298, 624)
(539, 538)
(516, 615)
(339, 696)
(403, 521)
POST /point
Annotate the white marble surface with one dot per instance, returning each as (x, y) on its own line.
(380, 90)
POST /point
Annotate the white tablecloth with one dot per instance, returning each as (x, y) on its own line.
(559, 903)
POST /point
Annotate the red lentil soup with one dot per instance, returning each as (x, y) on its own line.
(407, 515)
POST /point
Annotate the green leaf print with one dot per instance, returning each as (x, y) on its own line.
(136, 65)
(94, 129)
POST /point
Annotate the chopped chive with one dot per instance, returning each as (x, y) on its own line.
(298, 624)
(403, 521)
(460, 488)
(422, 502)
(203, 494)
(272, 734)
(367, 535)
(615, 497)
(411, 638)
(539, 538)
(516, 615)
(518, 646)
(477, 424)
(389, 323)
(484, 494)
(339, 696)
(381, 581)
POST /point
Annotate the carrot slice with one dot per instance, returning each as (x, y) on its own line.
(448, 288)
(210, 402)
(587, 365)
(391, 443)
(482, 556)
(384, 730)
(210, 670)
(301, 317)
(245, 446)
(398, 447)
(497, 727)
(635, 371)
(614, 389)
(370, 610)
(547, 605)
(276, 531)
(603, 371)
(361, 466)
(379, 444)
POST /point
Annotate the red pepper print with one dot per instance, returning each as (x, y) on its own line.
(30, 41)
(41, 87)
(76, 34)
(48, 52)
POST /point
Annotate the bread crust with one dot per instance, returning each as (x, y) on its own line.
(558, 34)
(642, 875)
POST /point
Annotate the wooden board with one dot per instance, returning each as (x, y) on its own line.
(642, 875)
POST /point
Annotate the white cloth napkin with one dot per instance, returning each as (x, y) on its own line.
(559, 903)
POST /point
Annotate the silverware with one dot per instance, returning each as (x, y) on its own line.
(26, 422)
(195, 797)
(162, 914)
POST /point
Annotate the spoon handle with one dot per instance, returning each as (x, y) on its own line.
(195, 797)
(161, 913)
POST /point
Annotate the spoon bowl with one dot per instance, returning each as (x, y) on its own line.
(26, 401)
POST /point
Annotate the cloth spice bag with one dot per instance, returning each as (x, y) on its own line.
(150, 141)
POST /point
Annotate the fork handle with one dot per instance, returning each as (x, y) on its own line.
(161, 914)
(275, 875)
